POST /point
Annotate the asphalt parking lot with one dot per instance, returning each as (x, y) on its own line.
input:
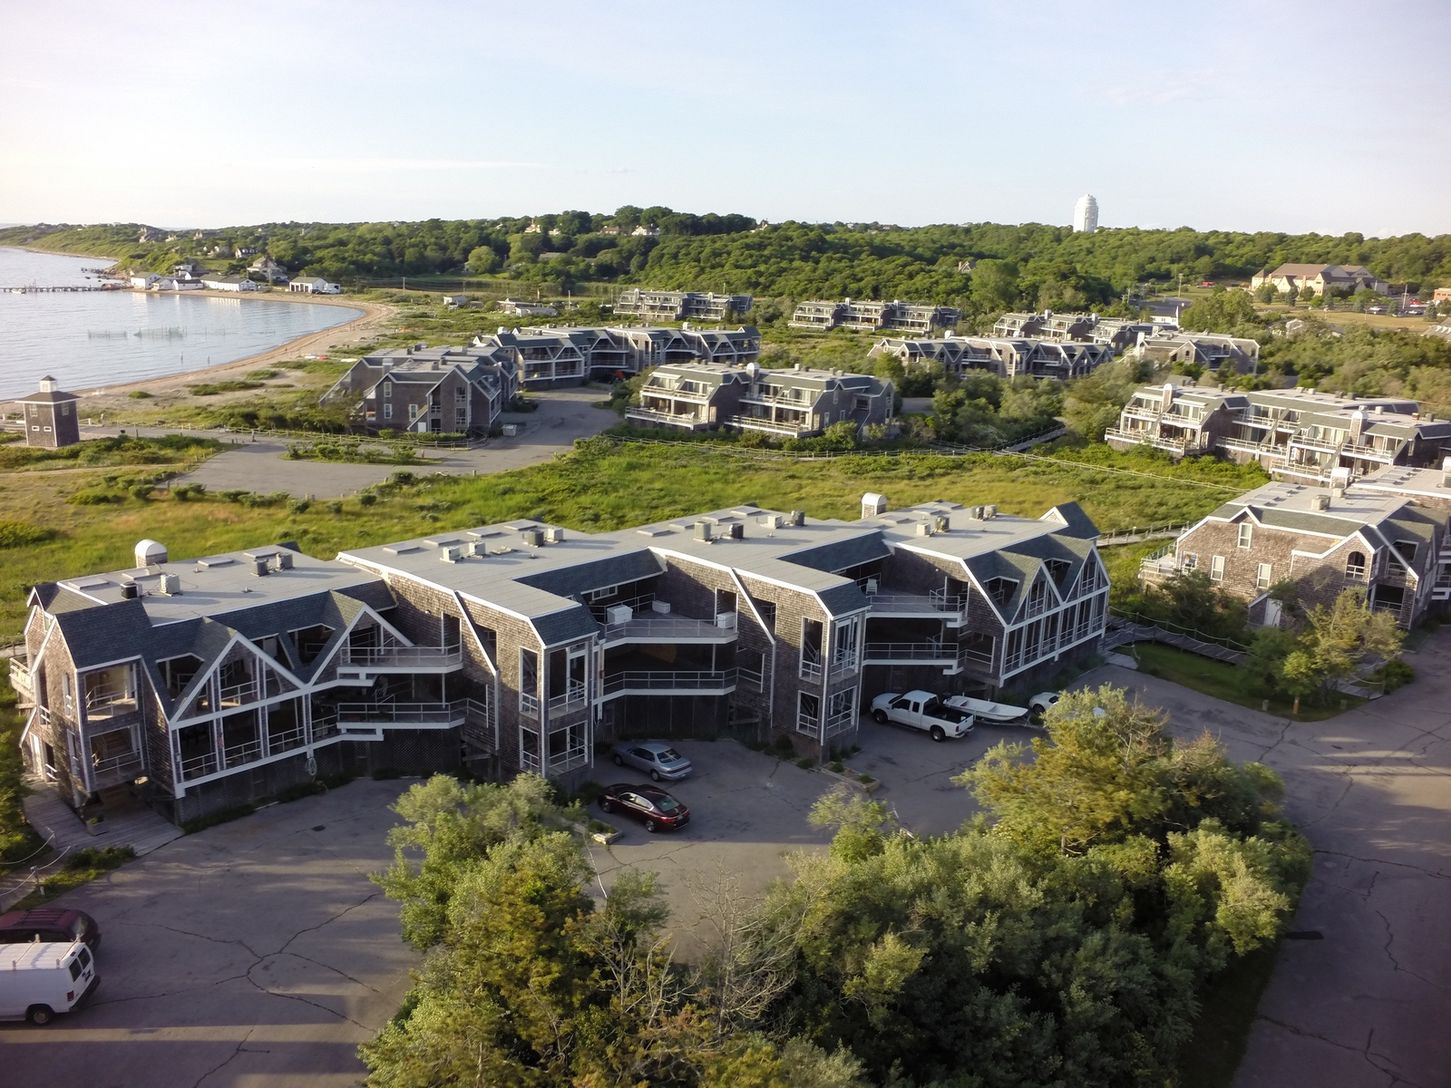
(256, 952)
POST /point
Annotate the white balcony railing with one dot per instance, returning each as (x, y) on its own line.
(572, 699)
(926, 652)
(415, 714)
(411, 658)
(839, 722)
(659, 681)
(286, 740)
(197, 766)
(115, 765)
(666, 629)
(246, 752)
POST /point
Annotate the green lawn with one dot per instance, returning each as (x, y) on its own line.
(1223, 681)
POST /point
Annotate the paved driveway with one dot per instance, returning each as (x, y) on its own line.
(563, 416)
(1363, 998)
(256, 952)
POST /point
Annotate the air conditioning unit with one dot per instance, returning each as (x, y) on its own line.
(619, 613)
(660, 608)
(924, 528)
(450, 553)
(703, 530)
(532, 538)
(554, 535)
(726, 621)
(737, 530)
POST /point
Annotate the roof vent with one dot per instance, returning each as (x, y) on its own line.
(873, 505)
(149, 552)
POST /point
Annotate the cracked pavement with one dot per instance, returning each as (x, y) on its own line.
(253, 952)
(1367, 1005)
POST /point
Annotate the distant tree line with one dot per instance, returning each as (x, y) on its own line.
(983, 267)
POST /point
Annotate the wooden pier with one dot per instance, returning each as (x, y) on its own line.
(33, 289)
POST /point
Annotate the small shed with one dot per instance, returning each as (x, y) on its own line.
(50, 416)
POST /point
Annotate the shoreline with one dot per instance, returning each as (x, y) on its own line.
(373, 320)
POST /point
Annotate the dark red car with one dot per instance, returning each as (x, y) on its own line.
(49, 924)
(651, 805)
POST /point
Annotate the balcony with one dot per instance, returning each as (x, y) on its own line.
(198, 766)
(688, 420)
(573, 698)
(21, 681)
(669, 682)
(105, 704)
(667, 629)
(401, 659)
(402, 715)
(944, 655)
(841, 721)
(1173, 445)
(934, 605)
(771, 426)
(699, 396)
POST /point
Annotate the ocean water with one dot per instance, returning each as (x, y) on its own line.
(94, 339)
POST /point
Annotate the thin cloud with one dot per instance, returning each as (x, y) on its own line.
(396, 165)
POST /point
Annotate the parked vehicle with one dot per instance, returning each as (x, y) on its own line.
(656, 758)
(922, 710)
(651, 805)
(51, 924)
(40, 979)
(984, 710)
(1043, 702)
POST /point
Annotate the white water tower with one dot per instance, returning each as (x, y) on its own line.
(1085, 214)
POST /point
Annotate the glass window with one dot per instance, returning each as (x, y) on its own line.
(1246, 534)
(1216, 569)
(1262, 576)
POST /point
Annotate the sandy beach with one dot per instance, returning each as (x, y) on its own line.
(374, 320)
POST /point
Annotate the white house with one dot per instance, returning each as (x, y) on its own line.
(313, 285)
(228, 283)
(143, 280)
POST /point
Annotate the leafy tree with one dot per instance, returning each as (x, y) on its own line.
(449, 827)
(1338, 641)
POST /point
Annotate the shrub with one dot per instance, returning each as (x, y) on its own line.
(141, 491)
(367, 498)
(13, 534)
(99, 857)
(806, 763)
(1394, 674)
(91, 496)
(139, 394)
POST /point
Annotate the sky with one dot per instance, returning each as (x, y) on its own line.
(1329, 117)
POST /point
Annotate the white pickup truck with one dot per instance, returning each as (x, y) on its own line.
(922, 710)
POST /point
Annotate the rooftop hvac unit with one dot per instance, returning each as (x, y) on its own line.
(532, 537)
(149, 551)
(259, 566)
(619, 613)
(661, 608)
(170, 585)
(1322, 502)
(989, 512)
(940, 523)
(798, 517)
(924, 528)
(450, 553)
(737, 530)
(129, 590)
(703, 531)
(554, 535)
(282, 561)
(478, 548)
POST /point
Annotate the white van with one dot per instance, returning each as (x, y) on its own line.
(42, 978)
